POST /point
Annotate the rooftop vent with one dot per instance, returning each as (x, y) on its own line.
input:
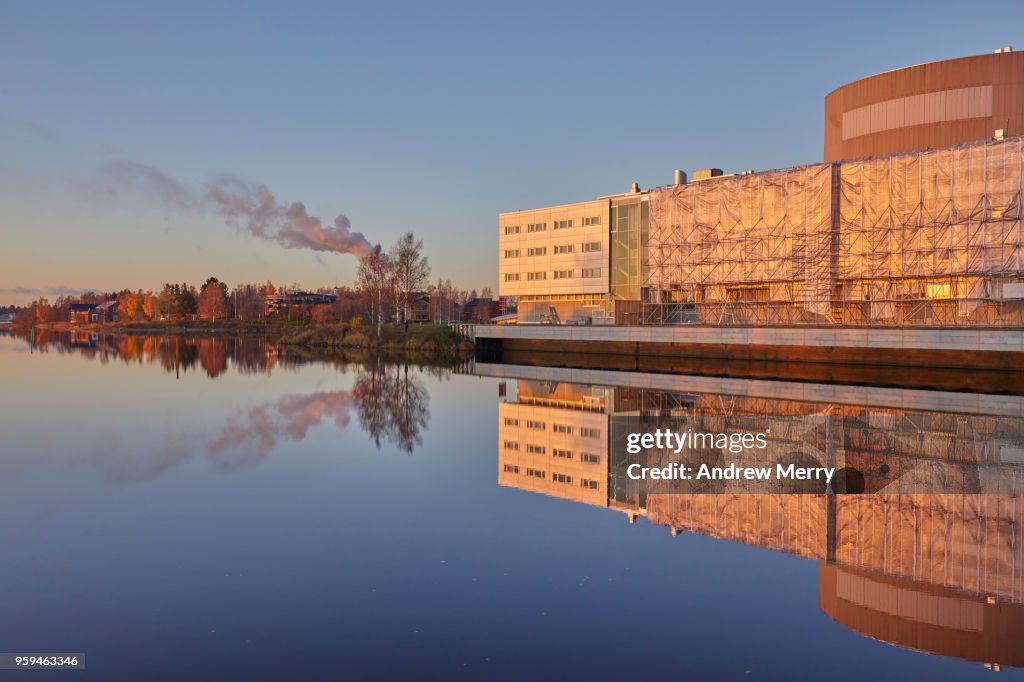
(1000, 133)
(634, 188)
(679, 178)
(1005, 48)
(706, 173)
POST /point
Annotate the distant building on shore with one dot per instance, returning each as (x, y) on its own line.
(292, 303)
(89, 313)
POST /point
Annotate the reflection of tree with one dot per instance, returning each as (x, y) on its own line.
(391, 403)
(392, 406)
(213, 356)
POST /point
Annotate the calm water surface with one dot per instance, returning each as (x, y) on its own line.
(199, 509)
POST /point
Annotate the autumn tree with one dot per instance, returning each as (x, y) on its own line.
(323, 314)
(247, 300)
(350, 303)
(374, 278)
(130, 305)
(410, 270)
(44, 312)
(149, 305)
(213, 299)
(442, 301)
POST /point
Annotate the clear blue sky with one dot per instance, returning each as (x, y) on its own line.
(432, 117)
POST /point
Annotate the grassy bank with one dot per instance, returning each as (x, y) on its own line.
(426, 339)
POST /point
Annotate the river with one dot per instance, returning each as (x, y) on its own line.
(220, 508)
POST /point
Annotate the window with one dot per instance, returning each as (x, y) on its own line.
(536, 227)
(511, 469)
(593, 220)
(530, 424)
(511, 276)
(511, 229)
(561, 428)
(509, 421)
(536, 473)
(563, 274)
(588, 273)
(537, 251)
(590, 247)
(564, 248)
(590, 433)
(511, 445)
(590, 458)
(561, 478)
(562, 224)
(563, 454)
(537, 449)
(588, 483)
(512, 253)
(535, 276)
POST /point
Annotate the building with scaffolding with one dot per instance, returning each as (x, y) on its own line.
(929, 238)
(916, 236)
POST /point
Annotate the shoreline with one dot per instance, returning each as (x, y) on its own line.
(427, 339)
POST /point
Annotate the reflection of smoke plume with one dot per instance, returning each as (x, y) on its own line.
(248, 205)
(259, 430)
(250, 435)
(391, 406)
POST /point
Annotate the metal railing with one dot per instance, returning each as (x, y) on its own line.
(963, 312)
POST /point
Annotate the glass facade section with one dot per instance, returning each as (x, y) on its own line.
(629, 237)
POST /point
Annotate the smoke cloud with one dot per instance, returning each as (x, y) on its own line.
(245, 205)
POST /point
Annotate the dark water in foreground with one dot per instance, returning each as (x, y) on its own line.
(222, 510)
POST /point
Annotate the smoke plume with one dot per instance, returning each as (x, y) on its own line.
(245, 205)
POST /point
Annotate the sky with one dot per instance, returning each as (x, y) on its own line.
(430, 117)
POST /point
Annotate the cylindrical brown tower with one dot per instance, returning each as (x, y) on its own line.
(938, 104)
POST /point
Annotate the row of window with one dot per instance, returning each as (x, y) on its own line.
(585, 457)
(588, 483)
(589, 247)
(558, 225)
(585, 273)
(586, 432)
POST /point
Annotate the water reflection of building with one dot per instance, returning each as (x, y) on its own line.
(554, 440)
(939, 573)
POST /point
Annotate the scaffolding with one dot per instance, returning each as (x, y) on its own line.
(929, 238)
